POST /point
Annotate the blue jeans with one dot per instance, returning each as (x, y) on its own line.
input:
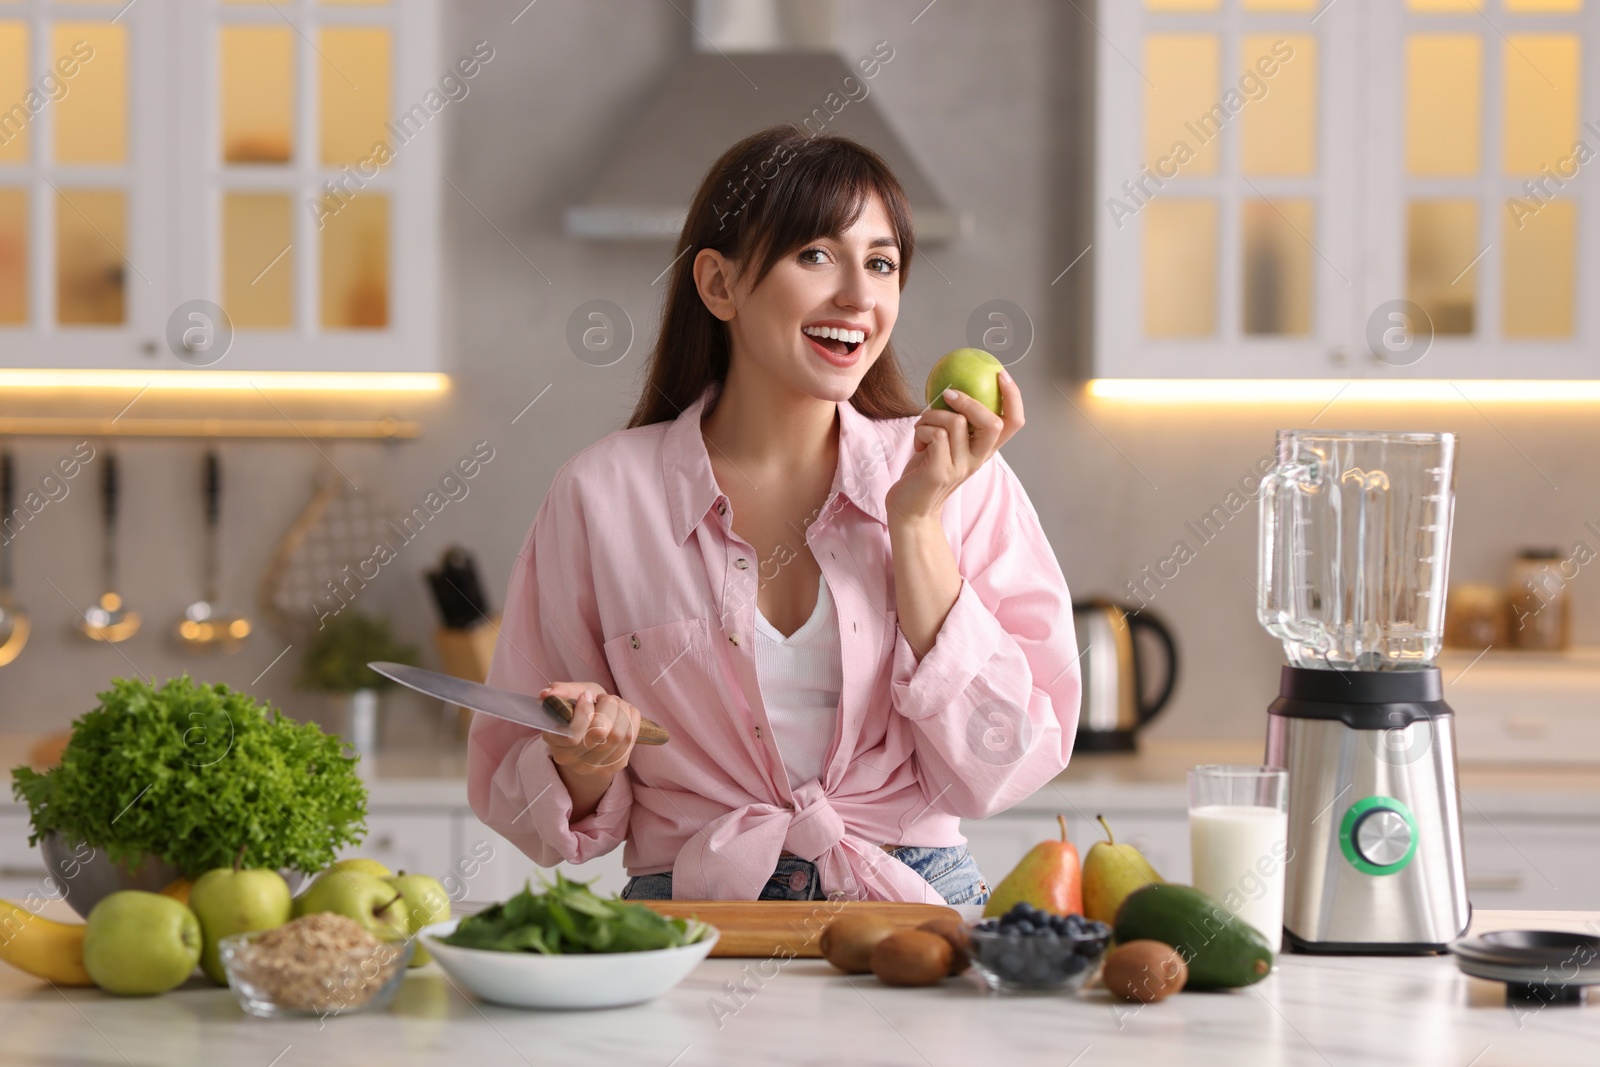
(951, 871)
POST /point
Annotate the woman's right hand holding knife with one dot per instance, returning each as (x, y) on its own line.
(605, 728)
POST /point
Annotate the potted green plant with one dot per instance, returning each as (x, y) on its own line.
(336, 662)
(157, 783)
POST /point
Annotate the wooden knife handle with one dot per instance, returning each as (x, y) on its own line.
(649, 732)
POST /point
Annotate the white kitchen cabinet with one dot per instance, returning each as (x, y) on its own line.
(504, 869)
(1545, 864)
(1522, 851)
(22, 871)
(1525, 707)
(418, 842)
(1316, 190)
(280, 160)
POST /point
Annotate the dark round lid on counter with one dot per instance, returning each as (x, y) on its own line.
(1538, 966)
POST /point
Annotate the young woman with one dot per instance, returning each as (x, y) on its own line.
(841, 606)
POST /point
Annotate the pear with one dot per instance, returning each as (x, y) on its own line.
(1110, 873)
(1048, 878)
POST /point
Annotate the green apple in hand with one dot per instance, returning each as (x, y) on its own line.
(229, 900)
(971, 370)
(366, 898)
(139, 944)
(362, 864)
(424, 903)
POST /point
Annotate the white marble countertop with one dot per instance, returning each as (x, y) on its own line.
(1312, 1011)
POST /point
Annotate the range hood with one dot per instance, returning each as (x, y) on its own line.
(757, 63)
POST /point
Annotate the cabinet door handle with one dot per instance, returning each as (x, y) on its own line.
(7, 871)
(1495, 882)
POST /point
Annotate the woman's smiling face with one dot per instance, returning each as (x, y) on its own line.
(847, 285)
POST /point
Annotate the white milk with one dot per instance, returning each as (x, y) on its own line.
(1238, 855)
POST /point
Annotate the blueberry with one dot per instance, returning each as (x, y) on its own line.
(1023, 927)
(1072, 965)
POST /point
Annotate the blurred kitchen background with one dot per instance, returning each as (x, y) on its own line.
(1187, 223)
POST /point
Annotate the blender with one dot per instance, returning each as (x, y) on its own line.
(1353, 557)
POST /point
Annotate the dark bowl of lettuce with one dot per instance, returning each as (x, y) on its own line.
(568, 947)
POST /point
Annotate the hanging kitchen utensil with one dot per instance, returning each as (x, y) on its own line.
(317, 568)
(108, 620)
(14, 624)
(206, 624)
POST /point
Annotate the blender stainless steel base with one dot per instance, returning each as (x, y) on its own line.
(1376, 863)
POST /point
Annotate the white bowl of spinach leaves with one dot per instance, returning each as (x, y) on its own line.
(568, 947)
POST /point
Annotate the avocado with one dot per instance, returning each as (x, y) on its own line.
(1222, 951)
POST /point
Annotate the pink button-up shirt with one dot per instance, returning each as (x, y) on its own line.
(632, 577)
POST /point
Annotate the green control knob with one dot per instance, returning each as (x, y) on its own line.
(1378, 835)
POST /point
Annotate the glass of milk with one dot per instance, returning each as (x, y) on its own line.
(1239, 841)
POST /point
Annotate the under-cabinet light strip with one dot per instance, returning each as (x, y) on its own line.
(1250, 390)
(221, 381)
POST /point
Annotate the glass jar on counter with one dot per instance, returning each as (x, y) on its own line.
(1541, 609)
(1476, 616)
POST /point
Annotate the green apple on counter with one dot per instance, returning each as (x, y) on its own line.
(362, 864)
(140, 944)
(971, 370)
(228, 900)
(424, 902)
(1111, 873)
(366, 898)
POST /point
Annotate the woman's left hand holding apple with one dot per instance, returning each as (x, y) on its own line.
(949, 447)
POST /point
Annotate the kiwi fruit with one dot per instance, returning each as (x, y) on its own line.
(847, 941)
(911, 958)
(953, 930)
(1145, 971)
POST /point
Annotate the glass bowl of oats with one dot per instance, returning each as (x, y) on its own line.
(320, 964)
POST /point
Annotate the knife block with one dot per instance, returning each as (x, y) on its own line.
(466, 654)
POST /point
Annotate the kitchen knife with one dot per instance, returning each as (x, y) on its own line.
(552, 714)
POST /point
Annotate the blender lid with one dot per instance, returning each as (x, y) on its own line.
(1538, 966)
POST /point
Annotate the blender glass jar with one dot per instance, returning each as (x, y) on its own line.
(1355, 547)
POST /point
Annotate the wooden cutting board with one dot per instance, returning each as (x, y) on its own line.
(758, 929)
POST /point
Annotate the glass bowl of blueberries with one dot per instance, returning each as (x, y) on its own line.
(1031, 950)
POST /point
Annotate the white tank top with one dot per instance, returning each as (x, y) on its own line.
(801, 676)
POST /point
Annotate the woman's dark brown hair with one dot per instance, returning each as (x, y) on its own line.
(768, 196)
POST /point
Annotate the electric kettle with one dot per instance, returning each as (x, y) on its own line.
(1114, 672)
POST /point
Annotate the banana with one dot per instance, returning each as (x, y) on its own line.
(42, 947)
